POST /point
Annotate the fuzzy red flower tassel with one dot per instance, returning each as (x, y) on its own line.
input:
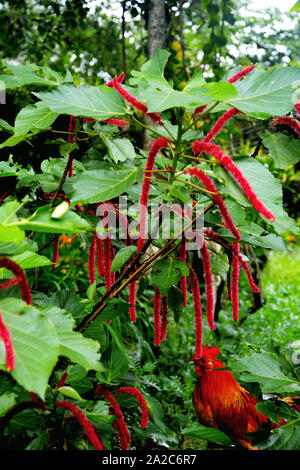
(209, 185)
(208, 285)
(297, 108)
(20, 276)
(164, 318)
(92, 257)
(84, 423)
(157, 145)
(194, 283)
(241, 74)
(292, 123)
(220, 124)
(137, 394)
(62, 380)
(156, 316)
(230, 166)
(132, 301)
(6, 338)
(100, 256)
(235, 282)
(119, 424)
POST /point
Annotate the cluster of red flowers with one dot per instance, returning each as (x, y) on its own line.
(120, 424)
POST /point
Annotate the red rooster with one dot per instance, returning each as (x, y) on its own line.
(220, 402)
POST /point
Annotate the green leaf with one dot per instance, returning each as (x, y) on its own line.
(7, 401)
(99, 103)
(121, 257)
(90, 292)
(119, 150)
(262, 94)
(116, 363)
(15, 140)
(221, 91)
(285, 437)
(41, 221)
(70, 392)
(168, 272)
(219, 265)
(11, 233)
(37, 116)
(265, 369)
(28, 260)
(284, 150)
(295, 7)
(74, 346)
(209, 434)
(35, 344)
(31, 75)
(7, 170)
(101, 185)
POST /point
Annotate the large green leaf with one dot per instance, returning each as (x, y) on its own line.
(119, 149)
(90, 101)
(263, 94)
(35, 344)
(285, 437)
(121, 257)
(283, 149)
(209, 434)
(265, 369)
(167, 272)
(7, 401)
(267, 188)
(116, 363)
(31, 75)
(74, 346)
(37, 116)
(29, 259)
(41, 221)
(101, 185)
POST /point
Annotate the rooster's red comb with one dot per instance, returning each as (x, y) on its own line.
(211, 351)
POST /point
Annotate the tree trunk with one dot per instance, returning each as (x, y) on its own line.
(156, 26)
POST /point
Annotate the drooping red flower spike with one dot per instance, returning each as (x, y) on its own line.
(183, 281)
(216, 238)
(62, 380)
(241, 74)
(164, 318)
(6, 338)
(92, 258)
(84, 423)
(194, 283)
(72, 129)
(157, 145)
(297, 108)
(100, 256)
(119, 423)
(235, 282)
(55, 253)
(199, 110)
(208, 285)
(113, 121)
(221, 123)
(230, 166)
(292, 123)
(20, 276)
(135, 102)
(143, 405)
(120, 79)
(156, 316)
(209, 185)
(132, 301)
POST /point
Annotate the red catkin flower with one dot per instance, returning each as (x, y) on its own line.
(288, 122)
(220, 124)
(20, 276)
(235, 282)
(72, 128)
(241, 74)
(62, 380)
(84, 423)
(9, 283)
(115, 122)
(55, 253)
(199, 110)
(208, 285)
(157, 145)
(119, 424)
(297, 108)
(120, 79)
(137, 394)
(194, 283)
(156, 316)
(164, 318)
(108, 252)
(92, 258)
(216, 238)
(135, 102)
(132, 301)
(183, 281)
(6, 338)
(209, 185)
(230, 166)
(100, 256)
